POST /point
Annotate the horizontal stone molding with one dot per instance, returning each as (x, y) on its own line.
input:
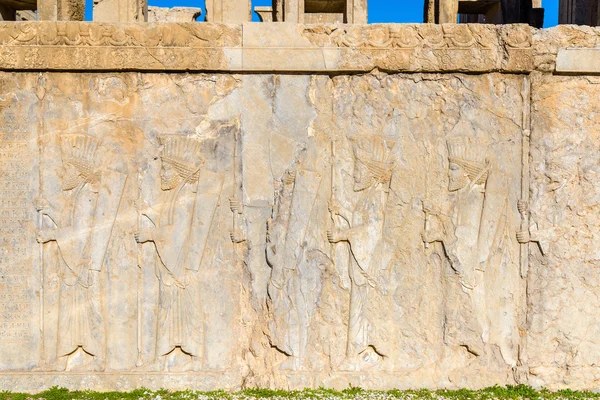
(283, 47)
(265, 47)
(124, 381)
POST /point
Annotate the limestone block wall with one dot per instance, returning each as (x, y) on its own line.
(214, 206)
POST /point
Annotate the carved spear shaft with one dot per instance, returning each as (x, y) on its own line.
(140, 288)
(41, 93)
(524, 256)
(331, 200)
(427, 221)
(234, 198)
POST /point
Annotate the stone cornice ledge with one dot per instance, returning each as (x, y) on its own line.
(270, 47)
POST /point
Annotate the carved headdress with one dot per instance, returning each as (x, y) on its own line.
(79, 149)
(471, 155)
(375, 152)
(183, 153)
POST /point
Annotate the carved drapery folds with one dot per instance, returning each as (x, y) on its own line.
(337, 230)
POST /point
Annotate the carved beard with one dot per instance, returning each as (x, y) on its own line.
(366, 182)
(170, 183)
(71, 179)
(458, 183)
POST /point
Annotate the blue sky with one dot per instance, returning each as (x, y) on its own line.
(379, 10)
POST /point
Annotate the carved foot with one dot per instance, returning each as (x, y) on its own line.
(291, 364)
(58, 365)
(193, 365)
(349, 364)
(367, 359)
(97, 365)
(150, 366)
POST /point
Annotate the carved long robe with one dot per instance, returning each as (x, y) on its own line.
(296, 260)
(369, 261)
(483, 253)
(180, 238)
(80, 316)
(180, 310)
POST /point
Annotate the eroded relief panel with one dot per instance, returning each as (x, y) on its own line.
(391, 240)
(19, 277)
(130, 219)
(563, 327)
(211, 231)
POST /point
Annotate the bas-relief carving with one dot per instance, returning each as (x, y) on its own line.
(181, 230)
(87, 236)
(369, 339)
(469, 243)
(393, 47)
(81, 229)
(477, 236)
(377, 266)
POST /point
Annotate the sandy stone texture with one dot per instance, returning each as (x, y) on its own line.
(356, 229)
(563, 286)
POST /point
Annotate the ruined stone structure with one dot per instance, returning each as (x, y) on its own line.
(579, 12)
(216, 206)
(315, 11)
(485, 11)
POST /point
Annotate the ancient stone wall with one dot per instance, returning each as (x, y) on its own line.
(214, 206)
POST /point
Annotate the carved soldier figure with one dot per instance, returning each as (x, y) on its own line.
(369, 251)
(80, 325)
(294, 254)
(179, 236)
(477, 239)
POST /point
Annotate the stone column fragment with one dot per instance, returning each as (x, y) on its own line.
(228, 11)
(175, 14)
(120, 11)
(321, 11)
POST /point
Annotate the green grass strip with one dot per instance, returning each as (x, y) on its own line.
(519, 392)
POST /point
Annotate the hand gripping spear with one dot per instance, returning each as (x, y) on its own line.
(140, 260)
(41, 93)
(335, 218)
(235, 203)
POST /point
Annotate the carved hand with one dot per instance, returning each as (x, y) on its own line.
(235, 205)
(522, 206)
(523, 237)
(42, 205)
(143, 236)
(237, 236)
(93, 277)
(336, 208)
(45, 236)
(429, 208)
(289, 177)
(141, 206)
(336, 236)
(431, 237)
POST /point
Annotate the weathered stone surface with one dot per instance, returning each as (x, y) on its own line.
(175, 14)
(73, 45)
(228, 11)
(548, 42)
(423, 214)
(582, 61)
(164, 159)
(120, 11)
(562, 334)
(266, 47)
(321, 11)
